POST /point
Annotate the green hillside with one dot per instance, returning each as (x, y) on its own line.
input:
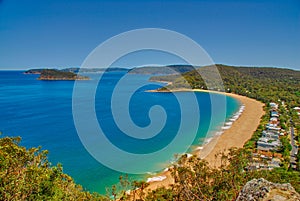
(26, 174)
(264, 84)
(166, 70)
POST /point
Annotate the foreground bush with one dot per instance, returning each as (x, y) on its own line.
(26, 174)
(196, 180)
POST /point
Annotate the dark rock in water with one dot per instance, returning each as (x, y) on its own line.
(263, 190)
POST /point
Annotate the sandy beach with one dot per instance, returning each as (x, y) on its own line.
(240, 131)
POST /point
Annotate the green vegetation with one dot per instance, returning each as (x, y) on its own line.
(263, 84)
(26, 174)
(166, 70)
(296, 123)
(195, 180)
(285, 150)
(52, 74)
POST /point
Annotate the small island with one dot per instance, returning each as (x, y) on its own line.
(52, 75)
(34, 71)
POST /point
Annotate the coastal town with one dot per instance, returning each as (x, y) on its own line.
(277, 146)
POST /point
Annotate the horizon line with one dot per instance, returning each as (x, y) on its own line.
(150, 65)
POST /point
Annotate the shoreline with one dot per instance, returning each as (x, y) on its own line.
(236, 134)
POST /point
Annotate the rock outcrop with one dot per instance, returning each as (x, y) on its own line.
(263, 190)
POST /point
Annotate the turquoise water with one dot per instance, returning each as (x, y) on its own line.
(41, 113)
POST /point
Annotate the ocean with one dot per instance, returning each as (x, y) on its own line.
(41, 113)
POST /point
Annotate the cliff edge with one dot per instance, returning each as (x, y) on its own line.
(263, 190)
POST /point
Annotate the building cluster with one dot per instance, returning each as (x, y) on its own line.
(270, 136)
(265, 156)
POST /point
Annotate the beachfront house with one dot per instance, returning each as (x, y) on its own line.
(272, 127)
(267, 160)
(267, 144)
(274, 105)
(274, 120)
(274, 113)
(274, 135)
(274, 163)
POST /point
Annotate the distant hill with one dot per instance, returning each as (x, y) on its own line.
(52, 74)
(163, 70)
(76, 70)
(95, 70)
(261, 83)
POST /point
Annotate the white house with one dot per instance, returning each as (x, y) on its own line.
(274, 105)
(271, 135)
(267, 144)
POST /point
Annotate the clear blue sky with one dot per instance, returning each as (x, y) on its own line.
(46, 33)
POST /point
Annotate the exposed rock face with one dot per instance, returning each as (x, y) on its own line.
(263, 190)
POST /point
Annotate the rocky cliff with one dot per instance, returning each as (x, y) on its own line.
(263, 190)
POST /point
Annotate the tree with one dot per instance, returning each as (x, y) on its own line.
(26, 174)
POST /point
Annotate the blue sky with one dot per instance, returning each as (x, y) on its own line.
(61, 33)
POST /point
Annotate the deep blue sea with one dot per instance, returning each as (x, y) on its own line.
(41, 113)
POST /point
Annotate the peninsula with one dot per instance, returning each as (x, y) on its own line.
(162, 70)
